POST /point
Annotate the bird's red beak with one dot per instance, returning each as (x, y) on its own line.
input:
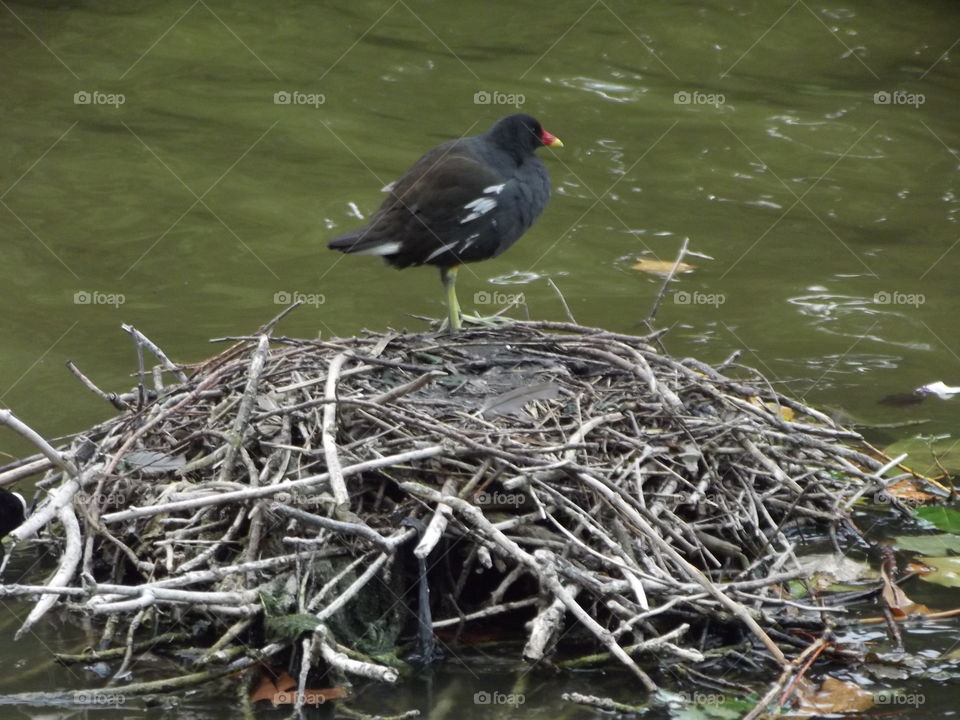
(550, 140)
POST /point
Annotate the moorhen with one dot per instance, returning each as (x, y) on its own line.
(13, 511)
(464, 201)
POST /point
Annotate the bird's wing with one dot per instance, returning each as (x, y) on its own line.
(444, 199)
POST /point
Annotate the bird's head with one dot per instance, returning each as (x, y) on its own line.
(522, 133)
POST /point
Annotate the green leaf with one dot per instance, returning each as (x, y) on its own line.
(934, 545)
(290, 627)
(946, 571)
(926, 455)
(942, 518)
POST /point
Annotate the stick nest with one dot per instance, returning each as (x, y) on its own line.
(280, 496)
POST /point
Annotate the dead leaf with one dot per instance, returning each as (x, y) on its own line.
(827, 569)
(512, 402)
(150, 462)
(282, 690)
(906, 490)
(833, 696)
(896, 599)
(659, 267)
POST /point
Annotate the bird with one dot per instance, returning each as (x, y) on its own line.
(464, 201)
(13, 511)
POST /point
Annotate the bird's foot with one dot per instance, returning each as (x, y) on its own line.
(489, 321)
(478, 321)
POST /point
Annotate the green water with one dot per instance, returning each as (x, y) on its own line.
(186, 209)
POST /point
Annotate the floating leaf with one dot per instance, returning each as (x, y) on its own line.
(833, 696)
(946, 571)
(906, 491)
(934, 545)
(705, 705)
(928, 456)
(659, 267)
(828, 569)
(942, 518)
(282, 690)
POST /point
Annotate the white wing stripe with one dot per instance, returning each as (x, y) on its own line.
(480, 206)
(387, 248)
(440, 251)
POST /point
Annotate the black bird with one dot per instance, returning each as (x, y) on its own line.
(464, 201)
(13, 511)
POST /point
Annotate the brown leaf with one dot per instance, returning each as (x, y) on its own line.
(282, 690)
(310, 697)
(659, 267)
(897, 600)
(833, 696)
(907, 491)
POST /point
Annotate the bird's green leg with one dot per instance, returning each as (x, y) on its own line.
(456, 318)
(449, 278)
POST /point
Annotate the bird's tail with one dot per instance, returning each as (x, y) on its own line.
(364, 242)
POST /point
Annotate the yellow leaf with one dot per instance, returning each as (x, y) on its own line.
(659, 267)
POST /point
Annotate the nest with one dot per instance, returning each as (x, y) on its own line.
(297, 499)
